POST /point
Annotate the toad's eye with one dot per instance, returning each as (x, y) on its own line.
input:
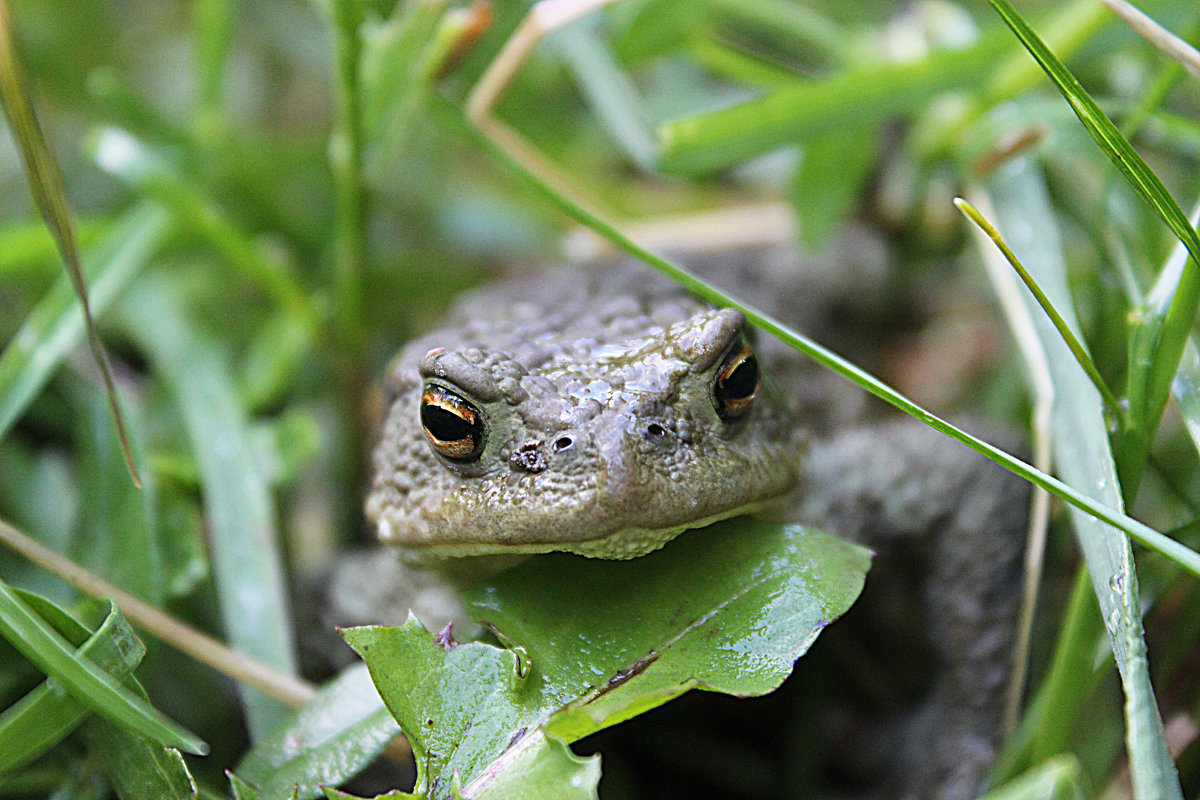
(737, 381)
(454, 426)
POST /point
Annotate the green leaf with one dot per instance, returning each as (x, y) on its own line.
(1081, 449)
(45, 716)
(89, 684)
(609, 91)
(241, 789)
(596, 642)
(737, 630)
(544, 768)
(247, 564)
(328, 741)
(338, 794)
(55, 326)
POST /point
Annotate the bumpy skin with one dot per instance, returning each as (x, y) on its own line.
(602, 439)
(600, 355)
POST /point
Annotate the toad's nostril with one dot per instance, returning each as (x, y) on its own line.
(528, 457)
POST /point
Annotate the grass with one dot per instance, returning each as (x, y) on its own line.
(264, 220)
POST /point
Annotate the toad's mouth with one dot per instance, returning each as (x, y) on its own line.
(607, 539)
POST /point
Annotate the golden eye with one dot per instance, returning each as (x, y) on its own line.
(454, 426)
(737, 381)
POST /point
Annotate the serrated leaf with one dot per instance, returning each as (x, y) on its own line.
(337, 794)
(329, 740)
(544, 768)
(242, 790)
(596, 642)
(455, 706)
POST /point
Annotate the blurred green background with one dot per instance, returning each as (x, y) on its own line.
(269, 203)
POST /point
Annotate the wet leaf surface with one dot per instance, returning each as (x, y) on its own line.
(592, 643)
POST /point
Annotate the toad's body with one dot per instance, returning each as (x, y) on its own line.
(604, 411)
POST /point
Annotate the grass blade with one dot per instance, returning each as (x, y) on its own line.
(401, 58)
(247, 565)
(788, 22)
(49, 195)
(1158, 346)
(1176, 552)
(1050, 718)
(1103, 131)
(341, 731)
(213, 23)
(45, 716)
(829, 181)
(286, 689)
(1159, 334)
(1186, 391)
(1058, 778)
(1084, 458)
(346, 162)
(1064, 330)
(805, 110)
(89, 684)
(609, 91)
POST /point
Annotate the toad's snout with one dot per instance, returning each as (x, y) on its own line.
(616, 457)
(630, 458)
